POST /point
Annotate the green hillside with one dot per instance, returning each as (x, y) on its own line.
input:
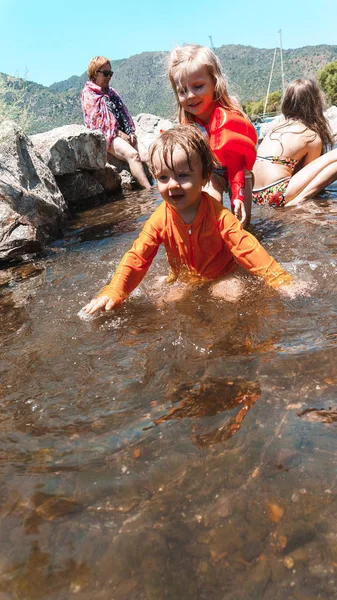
(141, 80)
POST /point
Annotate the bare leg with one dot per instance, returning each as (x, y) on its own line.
(312, 179)
(143, 151)
(176, 293)
(231, 288)
(215, 187)
(124, 151)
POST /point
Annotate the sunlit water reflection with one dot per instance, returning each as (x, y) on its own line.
(168, 450)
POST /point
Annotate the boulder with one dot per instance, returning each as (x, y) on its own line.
(148, 127)
(109, 178)
(70, 148)
(81, 189)
(331, 115)
(18, 237)
(32, 206)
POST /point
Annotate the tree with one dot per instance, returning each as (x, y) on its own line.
(327, 79)
(13, 102)
(255, 109)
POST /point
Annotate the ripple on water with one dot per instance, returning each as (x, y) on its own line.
(165, 450)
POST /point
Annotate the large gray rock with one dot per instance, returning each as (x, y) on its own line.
(32, 206)
(67, 149)
(148, 127)
(18, 237)
(109, 178)
(331, 115)
(80, 187)
(83, 188)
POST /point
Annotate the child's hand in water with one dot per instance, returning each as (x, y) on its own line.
(294, 289)
(101, 303)
(240, 211)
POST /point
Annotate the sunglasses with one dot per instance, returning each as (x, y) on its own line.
(106, 73)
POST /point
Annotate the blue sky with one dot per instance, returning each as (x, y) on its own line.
(49, 41)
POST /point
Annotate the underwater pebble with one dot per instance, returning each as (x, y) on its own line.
(288, 562)
(282, 541)
(275, 511)
(57, 507)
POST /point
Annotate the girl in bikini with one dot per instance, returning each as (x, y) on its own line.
(201, 91)
(291, 165)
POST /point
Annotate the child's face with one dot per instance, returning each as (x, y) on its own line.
(196, 92)
(180, 186)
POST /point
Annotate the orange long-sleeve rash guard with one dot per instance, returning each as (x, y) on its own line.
(208, 248)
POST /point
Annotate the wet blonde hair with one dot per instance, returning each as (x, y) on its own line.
(95, 64)
(180, 62)
(304, 101)
(191, 141)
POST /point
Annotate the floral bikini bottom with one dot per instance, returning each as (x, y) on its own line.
(273, 195)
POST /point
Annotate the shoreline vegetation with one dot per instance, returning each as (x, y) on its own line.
(142, 83)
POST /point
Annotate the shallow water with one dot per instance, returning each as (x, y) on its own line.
(168, 451)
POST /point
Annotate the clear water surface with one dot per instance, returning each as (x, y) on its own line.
(171, 450)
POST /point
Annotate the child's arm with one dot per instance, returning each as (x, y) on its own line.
(130, 270)
(239, 211)
(236, 178)
(100, 303)
(250, 254)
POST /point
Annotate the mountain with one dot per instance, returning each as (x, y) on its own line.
(142, 82)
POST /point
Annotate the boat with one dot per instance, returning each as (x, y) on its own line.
(268, 117)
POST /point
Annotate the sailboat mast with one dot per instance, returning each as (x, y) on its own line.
(282, 70)
(270, 78)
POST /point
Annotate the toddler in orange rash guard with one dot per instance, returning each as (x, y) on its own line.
(202, 239)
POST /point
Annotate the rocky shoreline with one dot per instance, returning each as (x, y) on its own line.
(47, 177)
(44, 178)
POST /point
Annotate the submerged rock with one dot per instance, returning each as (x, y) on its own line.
(55, 507)
(275, 511)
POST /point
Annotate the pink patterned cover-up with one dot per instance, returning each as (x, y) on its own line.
(96, 113)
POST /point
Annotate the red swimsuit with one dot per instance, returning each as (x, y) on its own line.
(233, 139)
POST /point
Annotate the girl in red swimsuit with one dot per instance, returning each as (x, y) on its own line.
(201, 91)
